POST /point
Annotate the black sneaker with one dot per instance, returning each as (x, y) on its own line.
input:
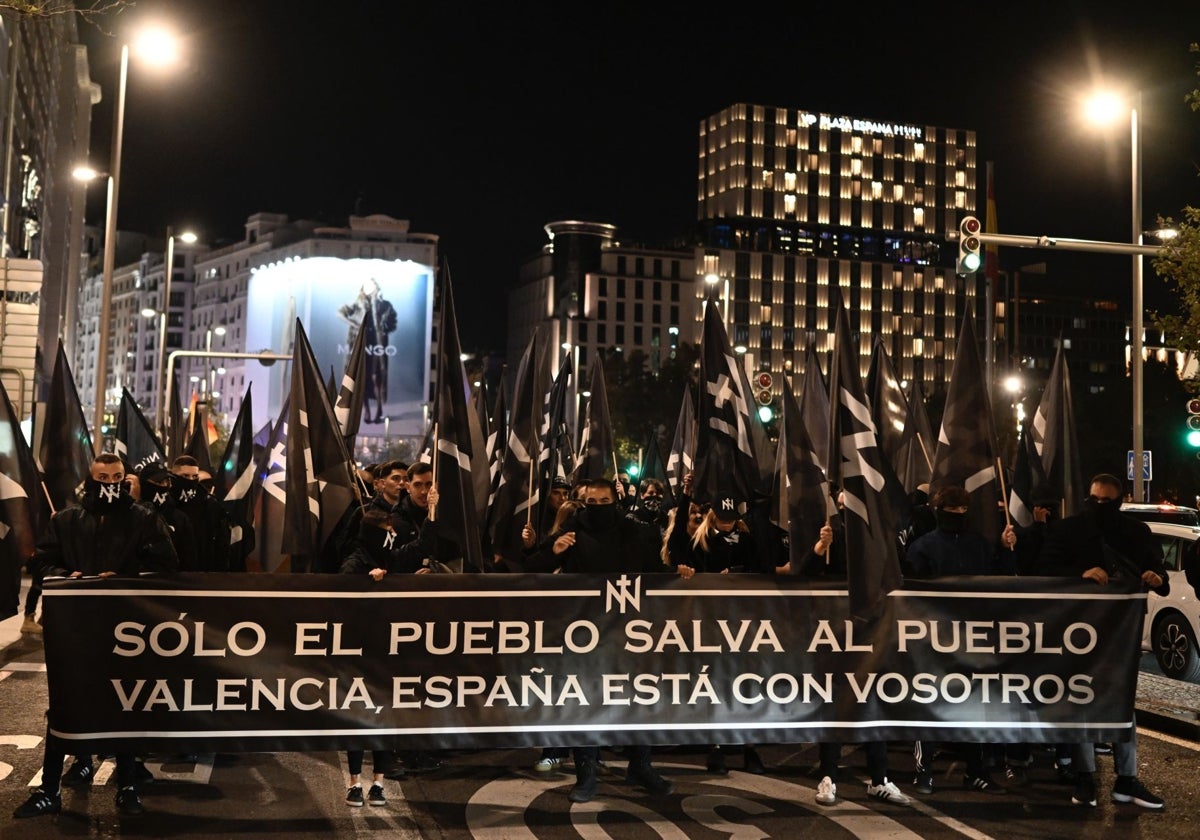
(1103, 749)
(982, 784)
(38, 803)
(716, 762)
(1015, 775)
(752, 763)
(923, 783)
(141, 775)
(1129, 789)
(129, 803)
(78, 774)
(647, 777)
(375, 795)
(1085, 791)
(354, 796)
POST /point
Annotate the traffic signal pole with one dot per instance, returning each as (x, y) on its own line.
(963, 237)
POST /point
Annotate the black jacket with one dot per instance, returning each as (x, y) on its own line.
(130, 539)
(624, 546)
(1122, 546)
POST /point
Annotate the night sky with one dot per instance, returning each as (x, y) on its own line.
(481, 125)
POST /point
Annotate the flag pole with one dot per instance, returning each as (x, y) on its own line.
(529, 498)
(1003, 492)
(924, 451)
(434, 458)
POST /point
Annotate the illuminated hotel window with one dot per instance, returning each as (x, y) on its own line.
(960, 199)
(768, 179)
(960, 179)
(856, 144)
(898, 192)
(919, 151)
(919, 216)
(877, 146)
(814, 161)
(789, 137)
(876, 189)
(789, 181)
(856, 166)
(789, 204)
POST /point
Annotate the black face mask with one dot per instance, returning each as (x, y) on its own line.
(652, 504)
(377, 539)
(599, 517)
(185, 490)
(954, 523)
(105, 495)
(156, 494)
(1104, 513)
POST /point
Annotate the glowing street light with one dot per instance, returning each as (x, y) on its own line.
(155, 46)
(1106, 107)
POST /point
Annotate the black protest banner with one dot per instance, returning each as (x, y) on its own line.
(231, 662)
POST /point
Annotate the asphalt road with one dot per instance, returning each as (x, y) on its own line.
(495, 795)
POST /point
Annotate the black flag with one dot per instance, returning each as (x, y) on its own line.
(174, 435)
(320, 483)
(66, 449)
(234, 480)
(349, 405)
(23, 507)
(804, 503)
(457, 514)
(1055, 439)
(202, 434)
(918, 432)
(726, 460)
(966, 447)
(515, 503)
(598, 456)
(856, 467)
(814, 405)
(681, 459)
(270, 500)
(135, 442)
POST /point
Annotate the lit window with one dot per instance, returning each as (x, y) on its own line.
(919, 151)
(960, 178)
(898, 192)
(876, 189)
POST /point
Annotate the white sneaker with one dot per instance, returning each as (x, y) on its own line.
(30, 627)
(826, 792)
(888, 792)
(547, 765)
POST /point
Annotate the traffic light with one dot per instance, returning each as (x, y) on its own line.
(969, 258)
(1193, 423)
(763, 396)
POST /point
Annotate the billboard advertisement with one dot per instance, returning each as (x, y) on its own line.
(334, 298)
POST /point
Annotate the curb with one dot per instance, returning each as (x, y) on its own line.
(1181, 725)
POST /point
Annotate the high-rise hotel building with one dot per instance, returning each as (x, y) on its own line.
(793, 207)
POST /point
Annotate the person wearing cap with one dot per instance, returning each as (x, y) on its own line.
(601, 540)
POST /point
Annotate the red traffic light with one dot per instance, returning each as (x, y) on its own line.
(765, 380)
(1193, 405)
(970, 225)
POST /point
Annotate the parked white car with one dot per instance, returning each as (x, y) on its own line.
(1173, 622)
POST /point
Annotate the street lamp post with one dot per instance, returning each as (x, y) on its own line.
(169, 271)
(211, 377)
(159, 47)
(110, 255)
(1105, 107)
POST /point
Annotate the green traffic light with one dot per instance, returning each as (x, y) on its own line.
(765, 413)
(971, 262)
(633, 471)
(1193, 439)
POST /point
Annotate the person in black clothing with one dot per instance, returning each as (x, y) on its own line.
(211, 525)
(650, 506)
(108, 534)
(601, 540)
(826, 560)
(373, 554)
(415, 533)
(152, 486)
(1101, 544)
(947, 551)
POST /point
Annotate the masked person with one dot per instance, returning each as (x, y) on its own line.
(601, 540)
(949, 550)
(1103, 545)
(153, 488)
(211, 525)
(651, 505)
(107, 534)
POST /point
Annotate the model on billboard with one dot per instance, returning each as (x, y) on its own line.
(377, 316)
